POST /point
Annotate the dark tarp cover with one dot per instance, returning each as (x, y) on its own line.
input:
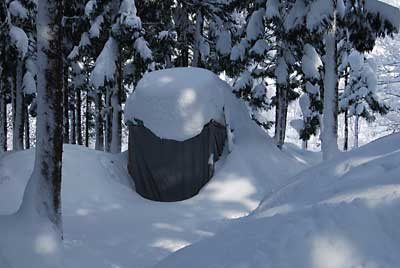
(169, 170)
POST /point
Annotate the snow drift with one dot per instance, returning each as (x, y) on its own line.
(341, 214)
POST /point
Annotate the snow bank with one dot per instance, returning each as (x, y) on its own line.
(176, 103)
(340, 214)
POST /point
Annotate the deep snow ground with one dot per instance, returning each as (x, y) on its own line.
(343, 213)
(106, 224)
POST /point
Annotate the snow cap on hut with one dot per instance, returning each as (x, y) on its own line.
(177, 103)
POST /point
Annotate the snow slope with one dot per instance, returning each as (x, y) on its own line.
(343, 213)
(107, 225)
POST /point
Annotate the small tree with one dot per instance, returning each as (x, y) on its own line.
(359, 97)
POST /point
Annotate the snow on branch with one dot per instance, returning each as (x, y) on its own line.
(385, 11)
(105, 67)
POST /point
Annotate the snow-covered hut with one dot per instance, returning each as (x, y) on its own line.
(176, 132)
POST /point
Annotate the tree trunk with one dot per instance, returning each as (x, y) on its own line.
(87, 118)
(184, 24)
(197, 39)
(117, 112)
(356, 130)
(304, 145)
(3, 120)
(79, 116)
(168, 61)
(108, 119)
(43, 193)
(73, 124)
(66, 105)
(346, 118)
(330, 112)
(27, 128)
(18, 127)
(185, 52)
(99, 123)
(346, 131)
(281, 115)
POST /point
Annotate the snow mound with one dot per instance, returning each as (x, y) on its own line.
(342, 213)
(176, 103)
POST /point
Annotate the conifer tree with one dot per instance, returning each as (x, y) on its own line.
(359, 97)
(125, 42)
(159, 30)
(251, 63)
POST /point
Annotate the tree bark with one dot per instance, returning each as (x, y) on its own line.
(281, 115)
(43, 193)
(3, 120)
(66, 105)
(346, 131)
(183, 37)
(108, 119)
(27, 128)
(18, 126)
(304, 145)
(346, 118)
(197, 38)
(79, 116)
(87, 118)
(99, 123)
(330, 112)
(73, 123)
(117, 112)
(356, 130)
(168, 61)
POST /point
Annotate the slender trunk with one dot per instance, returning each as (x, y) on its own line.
(11, 81)
(281, 115)
(3, 120)
(66, 105)
(330, 113)
(346, 118)
(356, 131)
(117, 112)
(346, 131)
(304, 145)
(197, 39)
(108, 119)
(184, 48)
(43, 193)
(73, 124)
(168, 61)
(185, 52)
(87, 118)
(27, 128)
(18, 127)
(99, 123)
(79, 116)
